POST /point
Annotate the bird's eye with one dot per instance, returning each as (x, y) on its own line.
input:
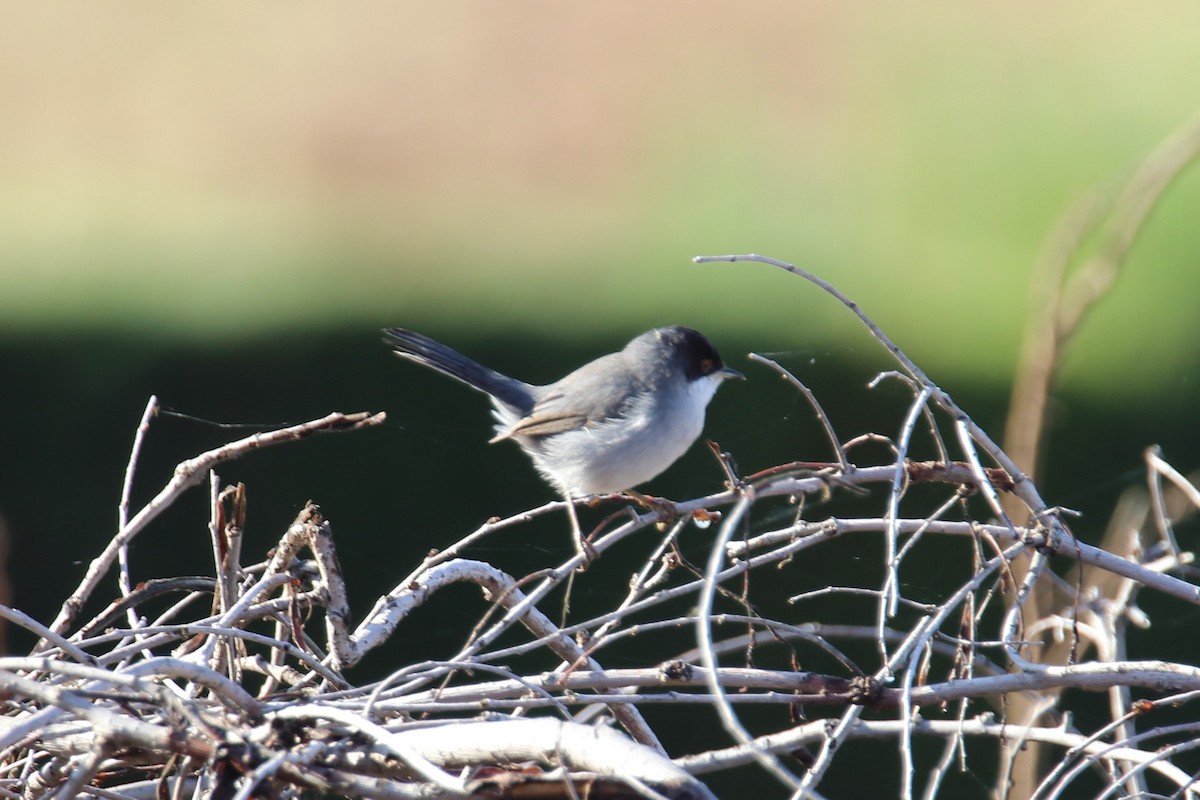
(706, 365)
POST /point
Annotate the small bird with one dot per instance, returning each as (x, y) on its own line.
(610, 425)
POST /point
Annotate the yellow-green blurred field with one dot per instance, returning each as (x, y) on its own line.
(226, 170)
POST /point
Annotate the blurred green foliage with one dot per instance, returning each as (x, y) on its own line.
(554, 170)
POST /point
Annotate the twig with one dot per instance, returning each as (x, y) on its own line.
(123, 580)
(187, 474)
(1022, 487)
(834, 442)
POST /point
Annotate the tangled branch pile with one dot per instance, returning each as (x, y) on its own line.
(240, 687)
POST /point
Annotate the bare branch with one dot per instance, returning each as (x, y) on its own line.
(187, 474)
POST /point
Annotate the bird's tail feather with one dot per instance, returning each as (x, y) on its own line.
(417, 347)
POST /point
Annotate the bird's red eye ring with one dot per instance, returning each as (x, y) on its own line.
(706, 365)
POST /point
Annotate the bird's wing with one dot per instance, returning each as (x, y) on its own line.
(592, 400)
(544, 424)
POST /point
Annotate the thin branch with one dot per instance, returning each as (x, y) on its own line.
(187, 474)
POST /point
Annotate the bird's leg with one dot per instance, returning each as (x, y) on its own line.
(582, 545)
(665, 508)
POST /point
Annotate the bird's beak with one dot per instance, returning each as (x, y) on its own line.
(729, 373)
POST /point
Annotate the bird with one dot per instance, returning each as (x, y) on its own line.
(610, 425)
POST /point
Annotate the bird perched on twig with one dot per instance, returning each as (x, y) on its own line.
(610, 425)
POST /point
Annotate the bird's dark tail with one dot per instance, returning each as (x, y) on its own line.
(423, 350)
